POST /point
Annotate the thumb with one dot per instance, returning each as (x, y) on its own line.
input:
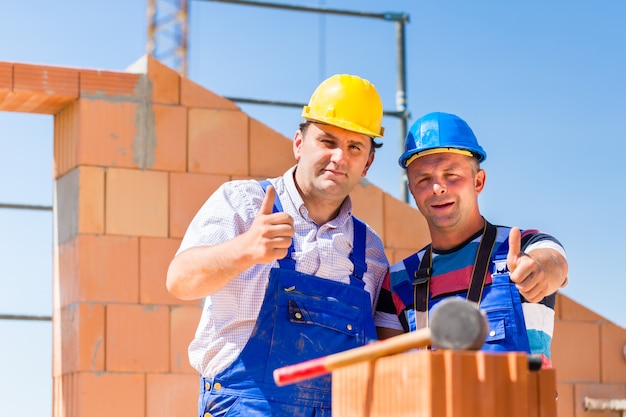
(515, 247)
(267, 206)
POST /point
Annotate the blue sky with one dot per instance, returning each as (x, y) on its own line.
(541, 83)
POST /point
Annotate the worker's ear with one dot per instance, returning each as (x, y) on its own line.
(368, 164)
(297, 144)
(479, 181)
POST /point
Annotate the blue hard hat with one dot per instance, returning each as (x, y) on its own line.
(440, 132)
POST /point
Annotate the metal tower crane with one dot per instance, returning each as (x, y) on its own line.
(167, 32)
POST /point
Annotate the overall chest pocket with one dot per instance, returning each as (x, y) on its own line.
(497, 329)
(327, 313)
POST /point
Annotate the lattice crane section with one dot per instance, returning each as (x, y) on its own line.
(167, 32)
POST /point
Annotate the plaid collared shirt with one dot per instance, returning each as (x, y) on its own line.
(229, 315)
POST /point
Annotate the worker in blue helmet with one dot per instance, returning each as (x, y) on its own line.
(512, 274)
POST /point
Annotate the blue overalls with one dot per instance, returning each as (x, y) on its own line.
(502, 304)
(302, 317)
(501, 300)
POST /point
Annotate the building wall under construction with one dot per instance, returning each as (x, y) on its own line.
(135, 155)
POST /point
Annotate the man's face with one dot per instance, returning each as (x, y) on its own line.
(331, 160)
(445, 187)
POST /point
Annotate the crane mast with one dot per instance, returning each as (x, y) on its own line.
(167, 32)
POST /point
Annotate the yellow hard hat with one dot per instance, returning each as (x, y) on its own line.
(349, 102)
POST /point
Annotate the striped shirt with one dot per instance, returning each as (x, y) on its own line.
(451, 274)
(229, 315)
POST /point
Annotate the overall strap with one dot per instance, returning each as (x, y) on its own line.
(357, 256)
(287, 262)
(421, 288)
(481, 264)
(277, 206)
(477, 284)
(503, 250)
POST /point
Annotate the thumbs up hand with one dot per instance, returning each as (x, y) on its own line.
(525, 271)
(270, 235)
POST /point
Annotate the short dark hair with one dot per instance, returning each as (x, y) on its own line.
(305, 125)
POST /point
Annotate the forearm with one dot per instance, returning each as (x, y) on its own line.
(201, 271)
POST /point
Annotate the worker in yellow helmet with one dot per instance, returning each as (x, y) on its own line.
(287, 272)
